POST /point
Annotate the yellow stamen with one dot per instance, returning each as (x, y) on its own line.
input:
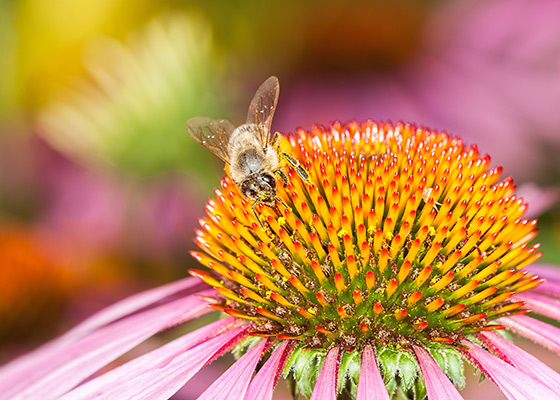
(392, 287)
(481, 296)
(281, 300)
(239, 314)
(443, 282)
(467, 288)
(339, 282)
(414, 297)
(404, 271)
(253, 296)
(383, 258)
(423, 276)
(434, 305)
(357, 296)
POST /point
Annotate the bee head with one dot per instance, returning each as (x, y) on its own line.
(260, 187)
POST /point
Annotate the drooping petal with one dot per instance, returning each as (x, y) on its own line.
(154, 359)
(370, 385)
(234, 382)
(541, 304)
(325, 388)
(164, 382)
(524, 361)
(262, 385)
(438, 385)
(134, 303)
(540, 332)
(21, 368)
(512, 382)
(59, 372)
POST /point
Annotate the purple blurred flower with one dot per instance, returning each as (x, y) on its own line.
(101, 213)
(489, 69)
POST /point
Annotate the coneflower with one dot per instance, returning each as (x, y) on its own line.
(401, 257)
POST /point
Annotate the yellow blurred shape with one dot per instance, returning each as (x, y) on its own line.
(52, 36)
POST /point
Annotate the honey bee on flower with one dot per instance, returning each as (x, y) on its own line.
(251, 151)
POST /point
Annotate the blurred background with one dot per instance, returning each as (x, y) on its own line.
(100, 186)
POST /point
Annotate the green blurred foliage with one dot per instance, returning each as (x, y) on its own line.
(131, 112)
(8, 44)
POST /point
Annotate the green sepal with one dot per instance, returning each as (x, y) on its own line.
(391, 386)
(349, 372)
(388, 358)
(451, 363)
(245, 346)
(419, 389)
(304, 366)
(408, 370)
(399, 368)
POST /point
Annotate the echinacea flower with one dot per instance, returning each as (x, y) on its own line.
(403, 256)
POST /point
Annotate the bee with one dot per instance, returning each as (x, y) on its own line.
(252, 153)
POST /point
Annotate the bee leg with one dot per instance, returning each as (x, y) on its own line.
(279, 200)
(299, 169)
(291, 160)
(282, 175)
(274, 140)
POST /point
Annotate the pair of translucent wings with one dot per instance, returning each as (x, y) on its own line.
(215, 134)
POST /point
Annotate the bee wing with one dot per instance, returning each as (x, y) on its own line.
(213, 134)
(262, 109)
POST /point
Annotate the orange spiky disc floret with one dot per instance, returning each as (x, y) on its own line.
(402, 235)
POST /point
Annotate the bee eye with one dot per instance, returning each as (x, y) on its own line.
(252, 193)
(250, 190)
(269, 180)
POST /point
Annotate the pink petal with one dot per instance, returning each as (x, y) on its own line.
(541, 304)
(134, 303)
(325, 388)
(548, 288)
(524, 361)
(234, 382)
(512, 382)
(164, 382)
(370, 386)
(438, 385)
(20, 368)
(539, 199)
(548, 271)
(62, 370)
(540, 332)
(154, 359)
(262, 385)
